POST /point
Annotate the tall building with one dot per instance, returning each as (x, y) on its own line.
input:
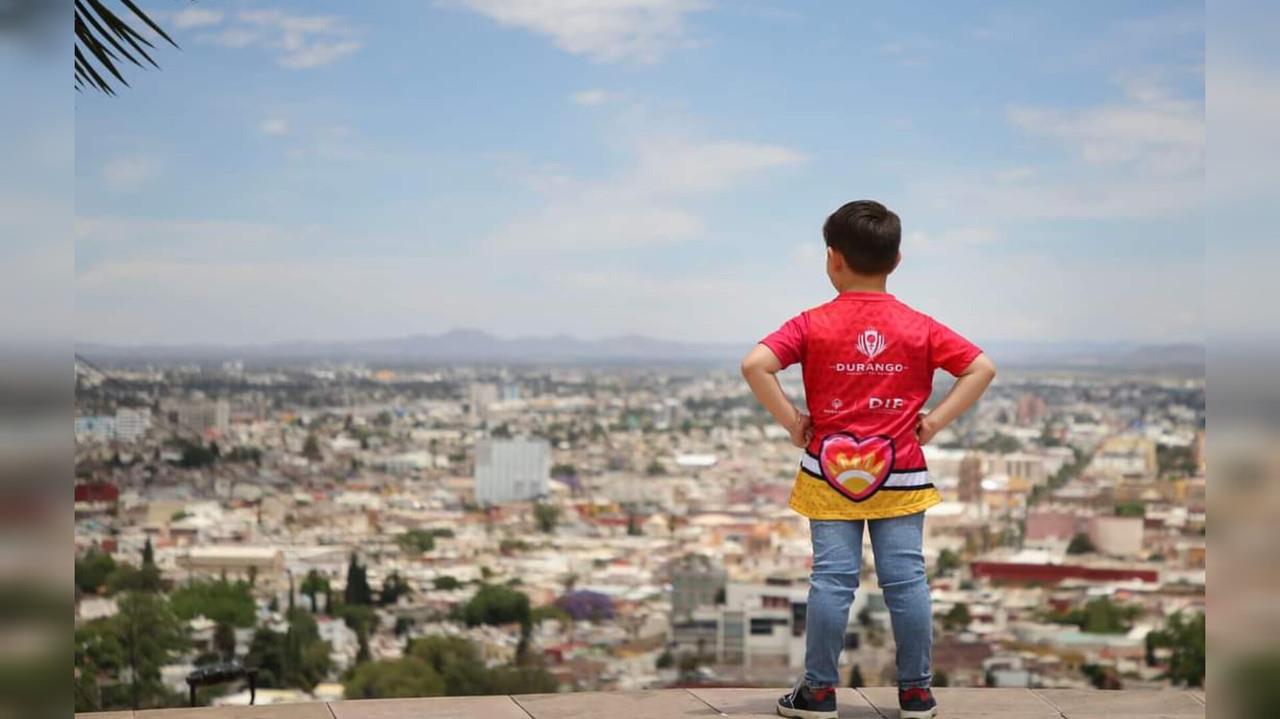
(1031, 409)
(200, 415)
(970, 486)
(696, 580)
(511, 470)
(479, 396)
(132, 423)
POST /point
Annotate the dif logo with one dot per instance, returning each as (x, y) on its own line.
(886, 404)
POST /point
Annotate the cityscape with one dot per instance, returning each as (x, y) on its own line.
(368, 529)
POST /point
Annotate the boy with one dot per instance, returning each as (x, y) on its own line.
(868, 363)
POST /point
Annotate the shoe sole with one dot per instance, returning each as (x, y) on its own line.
(923, 714)
(804, 713)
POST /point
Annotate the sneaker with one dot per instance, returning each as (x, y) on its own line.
(917, 703)
(809, 703)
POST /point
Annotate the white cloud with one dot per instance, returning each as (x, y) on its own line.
(196, 17)
(276, 126)
(604, 30)
(1150, 129)
(592, 98)
(652, 202)
(123, 174)
(298, 41)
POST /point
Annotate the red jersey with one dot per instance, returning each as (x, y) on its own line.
(868, 362)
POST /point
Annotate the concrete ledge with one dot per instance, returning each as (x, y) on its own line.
(868, 703)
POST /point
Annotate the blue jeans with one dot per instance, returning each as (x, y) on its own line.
(898, 545)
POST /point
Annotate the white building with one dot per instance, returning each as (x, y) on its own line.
(511, 470)
(132, 423)
(95, 429)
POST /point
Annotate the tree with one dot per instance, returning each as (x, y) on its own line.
(92, 571)
(1131, 509)
(1080, 544)
(546, 516)
(417, 541)
(224, 640)
(297, 658)
(948, 562)
(314, 584)
(357, 590)
(446, 583)
(219, 600)
(407, 677)
(495, 604)
(393, 588)
(311, 448)
(1185, 640)
(1101, 616)
(958, 617)
(149, 635)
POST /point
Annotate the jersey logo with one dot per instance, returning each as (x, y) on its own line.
(856, 468)
(871, 343)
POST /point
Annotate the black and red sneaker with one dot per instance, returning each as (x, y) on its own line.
(806, 702)
(916, 703)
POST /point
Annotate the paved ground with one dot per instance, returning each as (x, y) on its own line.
(869, 703)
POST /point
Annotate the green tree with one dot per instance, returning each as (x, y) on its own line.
(393, 588)
(149, 635)
(446, 582)
(224, 640)
(417, 541)
(958, 617)
(92, 571)
(296, 658)
(357, 590)
(311, 448)
(496, 604)
(948, 562)
(312, 585)
(219, 600)
(547, 517)
(1185, 640)
(1080, 544)
(1101, 616)
(105, 40)
(1131, 509)
(407, 677)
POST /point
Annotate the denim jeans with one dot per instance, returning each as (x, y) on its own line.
(897, 544)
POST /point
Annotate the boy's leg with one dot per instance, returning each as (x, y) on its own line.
(837, 562)
(898, 545)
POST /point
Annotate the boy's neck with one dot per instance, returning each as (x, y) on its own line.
(863, 283)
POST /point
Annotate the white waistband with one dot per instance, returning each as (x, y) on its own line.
(918, 478)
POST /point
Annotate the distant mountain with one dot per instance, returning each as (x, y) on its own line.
(471, 345)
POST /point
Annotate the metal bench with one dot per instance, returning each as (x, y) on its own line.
(220, 673)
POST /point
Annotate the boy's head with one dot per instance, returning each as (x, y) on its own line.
(862, 237)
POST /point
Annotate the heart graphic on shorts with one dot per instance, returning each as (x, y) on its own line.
(856, 467)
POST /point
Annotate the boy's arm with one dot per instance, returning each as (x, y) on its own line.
(969, 386)
(760, 368)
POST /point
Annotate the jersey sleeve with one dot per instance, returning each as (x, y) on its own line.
(949, 350)
(787, 342)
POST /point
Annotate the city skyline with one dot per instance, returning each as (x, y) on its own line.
(326, 172)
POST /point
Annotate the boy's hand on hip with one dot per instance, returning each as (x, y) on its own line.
(925, 430)
(801, 430)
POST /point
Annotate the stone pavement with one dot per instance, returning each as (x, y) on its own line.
(868, 703)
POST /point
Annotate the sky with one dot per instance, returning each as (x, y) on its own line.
(324, 171)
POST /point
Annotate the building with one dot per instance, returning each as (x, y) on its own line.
(132, 423)
(511, 470)
(200, 416)
(970, 487)
(263, 564)
(1126, 457)
(696, 580)
(1117, 536)
(479, 396)
(1031, 409)
(95, 429)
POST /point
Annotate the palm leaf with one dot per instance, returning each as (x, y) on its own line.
(105, 41)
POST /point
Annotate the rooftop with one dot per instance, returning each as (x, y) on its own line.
(867, 703)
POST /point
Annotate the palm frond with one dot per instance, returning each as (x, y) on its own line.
(105, 41)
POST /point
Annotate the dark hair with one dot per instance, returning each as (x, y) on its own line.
(867, 234)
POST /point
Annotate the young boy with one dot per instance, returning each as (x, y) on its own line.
(868, 363)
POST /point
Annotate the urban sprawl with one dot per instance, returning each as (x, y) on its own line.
(348, 530)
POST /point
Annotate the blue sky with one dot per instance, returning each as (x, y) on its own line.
(326, 170)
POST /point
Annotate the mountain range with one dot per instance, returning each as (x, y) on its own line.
(472, 345)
